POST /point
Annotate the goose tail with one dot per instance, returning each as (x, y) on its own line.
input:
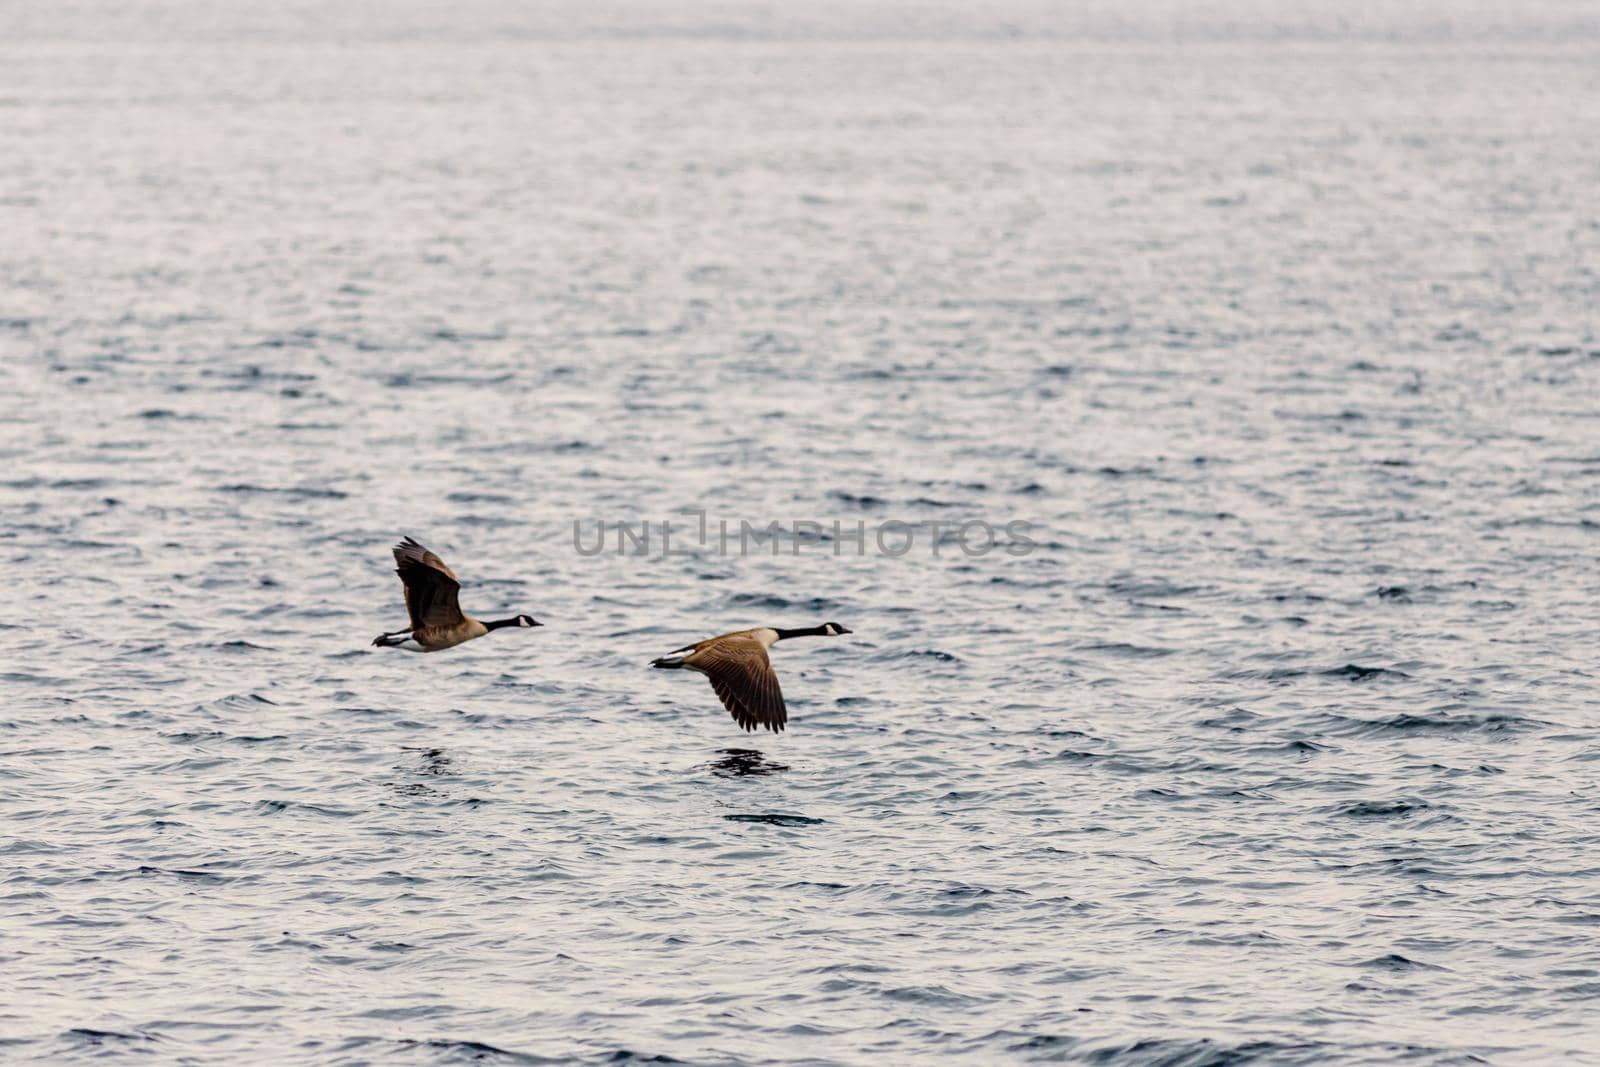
(668, 663)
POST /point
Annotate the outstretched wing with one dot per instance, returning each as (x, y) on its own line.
(432, 589)
(744, 681)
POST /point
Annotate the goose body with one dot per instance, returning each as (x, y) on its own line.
(740, 672)
(432, 601)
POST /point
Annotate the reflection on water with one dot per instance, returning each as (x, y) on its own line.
(744, 763)
(430, 761)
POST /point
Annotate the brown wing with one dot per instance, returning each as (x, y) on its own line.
(743, 679)
(431, 588)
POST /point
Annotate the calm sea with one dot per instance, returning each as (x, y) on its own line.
(1274, 743)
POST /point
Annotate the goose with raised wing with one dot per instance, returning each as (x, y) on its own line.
(740, 672)
(432, 591)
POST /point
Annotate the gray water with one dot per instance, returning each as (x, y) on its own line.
(1276, 745)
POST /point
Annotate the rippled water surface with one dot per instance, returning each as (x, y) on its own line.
(1277, 746)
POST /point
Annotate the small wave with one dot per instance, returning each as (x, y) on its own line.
(1384, 809)
(1119, 648)
(772, 818)
(1149, 588)
(1202, 1052)
(935, 994)
(859, 500)
(154, 414)
(478, 498)
(56, 483)
(297, 492)
(1357, 673)
(1396, 962)
(1408, 722)
(476, 1050)
(775, 602)
(186, 737)
(90, 1036)
(253, 372)
(188, 876)
(627, 1055)
(277, 807)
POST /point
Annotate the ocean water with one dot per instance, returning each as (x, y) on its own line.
(1272, 741)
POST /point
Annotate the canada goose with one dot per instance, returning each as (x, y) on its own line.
(437, 620)
(739, 671)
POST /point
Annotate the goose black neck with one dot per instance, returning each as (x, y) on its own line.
(496, 624)
(807, 631)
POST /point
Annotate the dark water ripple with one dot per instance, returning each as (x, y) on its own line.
(1278, 747)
